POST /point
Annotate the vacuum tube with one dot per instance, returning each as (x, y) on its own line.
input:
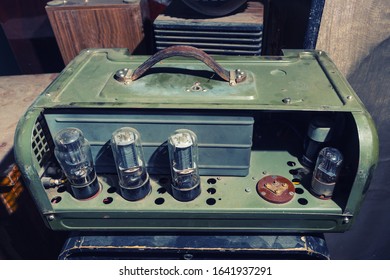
(318, 134)
(129, 159)
(326, 172)
(73, 153)
(183, 155)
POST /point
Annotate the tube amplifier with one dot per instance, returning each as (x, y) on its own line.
(182, 141)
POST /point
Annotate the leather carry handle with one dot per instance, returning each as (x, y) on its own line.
(232, 77)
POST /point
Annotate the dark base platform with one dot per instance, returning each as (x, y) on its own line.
(92, 247)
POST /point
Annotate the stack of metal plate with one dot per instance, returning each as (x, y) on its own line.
(239, 33)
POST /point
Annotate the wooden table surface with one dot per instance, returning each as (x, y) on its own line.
(16, 95)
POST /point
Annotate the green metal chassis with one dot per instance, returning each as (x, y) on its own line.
(87, 83)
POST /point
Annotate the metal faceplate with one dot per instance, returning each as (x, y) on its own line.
(269, 112)
(296, 81)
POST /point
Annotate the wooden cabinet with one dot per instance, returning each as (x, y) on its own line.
(79, 24)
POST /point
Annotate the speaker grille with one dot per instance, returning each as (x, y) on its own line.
(41, 142)
(237, 34)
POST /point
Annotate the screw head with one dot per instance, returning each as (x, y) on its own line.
(123, 75)
(346, 220)
(51, 217)
(247, 190)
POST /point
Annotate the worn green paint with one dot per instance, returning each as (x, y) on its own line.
(309, 79)
(88, 82)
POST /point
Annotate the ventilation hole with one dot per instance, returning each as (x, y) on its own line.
(56, 200)
(159, 201)
(163, 181)
(41, 143)
(296, 181)
(299, 190)
(211, 181)
(111, 190)
(211, 201)
(61, 189)
(211, 190)
(303, 201)
(219, 198)
(108, 200)
(291, 163)
(293, 171)
(161, 190)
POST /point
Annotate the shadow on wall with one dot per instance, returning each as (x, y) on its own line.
(8, 64)
(369, 237)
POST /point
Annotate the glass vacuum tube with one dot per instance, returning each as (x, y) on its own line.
(183, 156)
(73, 153)
(326, 172)
(129, 159)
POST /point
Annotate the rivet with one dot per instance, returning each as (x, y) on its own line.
(188, 256)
